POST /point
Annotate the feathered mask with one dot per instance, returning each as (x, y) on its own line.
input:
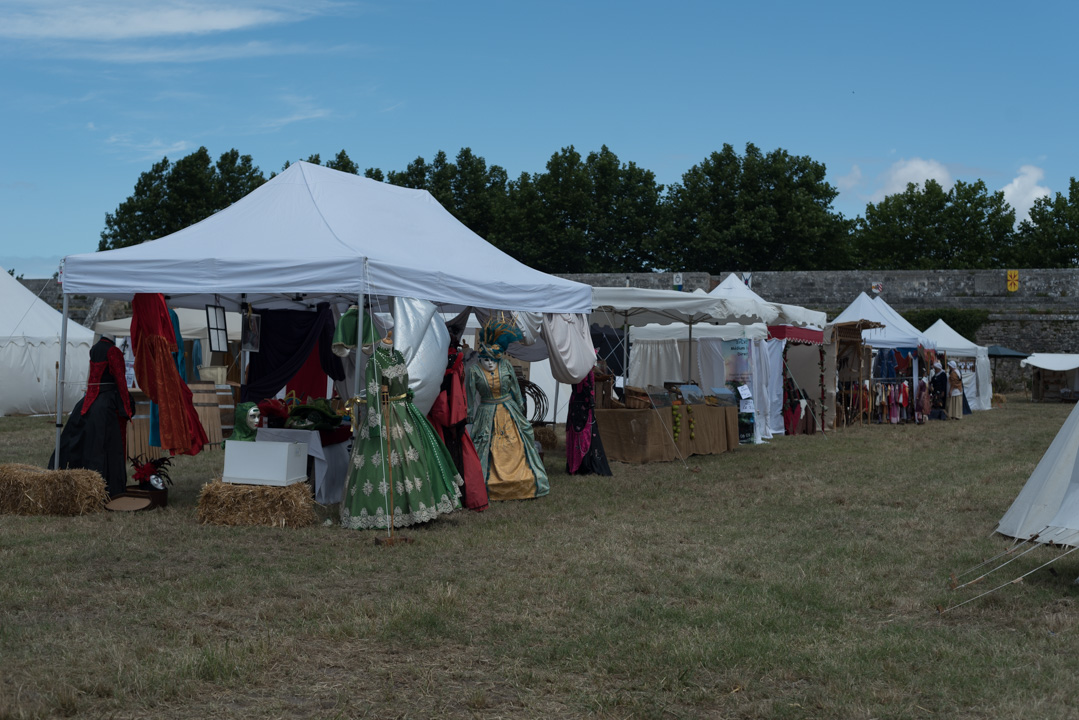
(496, 336)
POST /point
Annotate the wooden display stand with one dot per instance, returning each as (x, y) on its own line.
(641, 436)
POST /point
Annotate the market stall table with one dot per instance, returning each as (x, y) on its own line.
(331, 461)
(640, 436)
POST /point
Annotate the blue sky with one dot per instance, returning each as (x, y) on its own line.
(881, 93)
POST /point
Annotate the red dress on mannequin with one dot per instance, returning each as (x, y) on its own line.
(448, 416)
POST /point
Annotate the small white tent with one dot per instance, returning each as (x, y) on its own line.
(30, 351)
(734, 289)
(1048, 505)
(896, 331)
(977, 385)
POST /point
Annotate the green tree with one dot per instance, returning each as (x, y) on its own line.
(344, 163)
(925, 227)
(171, 196)
(414, 176)
(1049, 238)
(757, 212)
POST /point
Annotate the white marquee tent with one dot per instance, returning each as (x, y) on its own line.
(313, 234)
(30, 350)
(977, 385)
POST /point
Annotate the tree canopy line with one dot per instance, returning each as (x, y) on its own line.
(597, 214)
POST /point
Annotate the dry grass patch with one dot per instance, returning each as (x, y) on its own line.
(797, 579)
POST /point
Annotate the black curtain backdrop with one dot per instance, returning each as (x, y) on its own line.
(286, 339)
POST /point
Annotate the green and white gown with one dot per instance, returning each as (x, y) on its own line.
(399, 445)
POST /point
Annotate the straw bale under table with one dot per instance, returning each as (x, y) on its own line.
(222, 503)
(30, 490)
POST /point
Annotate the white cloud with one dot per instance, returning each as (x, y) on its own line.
(129, 19)
(1024, 190)
(153, 149)
(851, 180)
(917, 171)
(302, 108)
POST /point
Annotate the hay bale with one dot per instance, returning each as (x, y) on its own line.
(222, 503)
(547, 436)
(30, 490)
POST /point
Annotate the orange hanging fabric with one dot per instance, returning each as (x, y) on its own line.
(154, 340)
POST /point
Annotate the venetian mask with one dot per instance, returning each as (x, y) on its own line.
(253, 417)
(488, 364)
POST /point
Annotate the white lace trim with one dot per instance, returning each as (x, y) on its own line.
(367, 521)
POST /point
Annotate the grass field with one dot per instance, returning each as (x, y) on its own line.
(797, 579)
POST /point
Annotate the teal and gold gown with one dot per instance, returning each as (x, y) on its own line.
(502, 434)
(396, 443)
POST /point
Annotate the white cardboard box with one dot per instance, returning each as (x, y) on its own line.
(265, 463)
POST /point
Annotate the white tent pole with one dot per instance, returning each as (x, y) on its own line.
(60, 382)
(625, 352)
(243, 353)
(689, 355)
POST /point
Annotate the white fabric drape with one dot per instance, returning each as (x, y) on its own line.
(775, 387)
(569, 344)
(710, 365)
(762, 388)
(654, 362)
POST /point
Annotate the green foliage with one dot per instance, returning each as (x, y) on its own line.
(965, 321)
(171, 196)
(597, 214)
(1050, 237)
(757, 212)
(925, 227)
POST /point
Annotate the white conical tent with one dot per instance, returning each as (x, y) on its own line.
(896, 332)
(30, 350)
(1048, 504)
(978, 385)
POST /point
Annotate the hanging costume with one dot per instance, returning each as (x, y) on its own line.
(95, 436)
(955, 391)
(449, 417)
(154, 341)
(584, 449)
(503, 437)
(397, 453)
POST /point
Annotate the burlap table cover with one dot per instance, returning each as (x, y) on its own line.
(641, 436)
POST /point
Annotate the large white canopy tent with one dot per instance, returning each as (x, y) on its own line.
(313, 234)
(977, 385)
(30, 337)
